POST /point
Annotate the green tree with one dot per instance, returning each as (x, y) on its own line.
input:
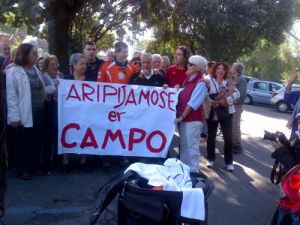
(220, 29)
(272, 62)
(68, 21)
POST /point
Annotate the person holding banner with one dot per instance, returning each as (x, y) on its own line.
(119, 71)
(147, 77)
(190, 112)
(78, 64)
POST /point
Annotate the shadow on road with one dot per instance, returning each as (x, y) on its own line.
(247, 192)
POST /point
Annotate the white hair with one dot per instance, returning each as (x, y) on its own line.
(76, 57)
(199, 61)
(146, 55)
(31, 40)
(157, 56)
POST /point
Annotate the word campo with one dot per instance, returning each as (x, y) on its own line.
(122, 95)
(136, 136)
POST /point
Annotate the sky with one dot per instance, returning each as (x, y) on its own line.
(296, 29)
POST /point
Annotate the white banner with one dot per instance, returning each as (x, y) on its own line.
(114, 119)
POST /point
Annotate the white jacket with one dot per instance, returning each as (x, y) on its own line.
(18, 96)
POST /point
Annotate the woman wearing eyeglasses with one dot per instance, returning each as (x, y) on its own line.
(190, 112)
(26, 94)
(51, 75)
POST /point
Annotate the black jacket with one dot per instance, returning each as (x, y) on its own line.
(155, 80)
(92, 70)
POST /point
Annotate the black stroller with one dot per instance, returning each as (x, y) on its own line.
(138, 204)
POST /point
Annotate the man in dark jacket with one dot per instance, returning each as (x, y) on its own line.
(94, 63)
(238, 70)
(3, 152)
(147, 77)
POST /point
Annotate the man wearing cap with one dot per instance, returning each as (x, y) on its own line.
(190, 113)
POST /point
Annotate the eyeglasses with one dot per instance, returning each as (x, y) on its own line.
(191, 64)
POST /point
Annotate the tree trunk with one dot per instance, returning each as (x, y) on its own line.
(60, 14)
(58, 38)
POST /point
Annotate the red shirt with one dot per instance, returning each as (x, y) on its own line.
(175, 75)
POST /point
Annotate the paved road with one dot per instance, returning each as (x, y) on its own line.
(245, 197)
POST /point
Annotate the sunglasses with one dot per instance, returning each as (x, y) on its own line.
(191, 64)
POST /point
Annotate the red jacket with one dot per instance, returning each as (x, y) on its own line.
(175, 75)
(184, 97)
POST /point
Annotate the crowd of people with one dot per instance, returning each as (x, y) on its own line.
(211, 97)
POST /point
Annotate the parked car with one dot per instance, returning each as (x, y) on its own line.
(261, 91)
(278, 99)
(288, 210)
(248, 79)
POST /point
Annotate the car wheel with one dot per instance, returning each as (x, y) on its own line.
(248, 100)
(283, 106)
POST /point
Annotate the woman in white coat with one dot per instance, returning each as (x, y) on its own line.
(25, 109)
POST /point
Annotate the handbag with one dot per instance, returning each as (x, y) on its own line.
(222, 111)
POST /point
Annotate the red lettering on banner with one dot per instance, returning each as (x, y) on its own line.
(113, 136)
(170, 100)
(131, 98)
(89, 139)
(115, 116)
(123, 88)
(155, 100)
(85, 93)
(106, 92)
(73, 95)
(163, 104)
(162, 145)
(63, 135)
(112, 116)
(133, 140)
(144, 95)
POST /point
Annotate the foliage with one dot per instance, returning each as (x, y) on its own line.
(222, 30)
(272, 62)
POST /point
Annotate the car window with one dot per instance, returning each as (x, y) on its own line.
(295, 88)
(274, 87)
(260, 86)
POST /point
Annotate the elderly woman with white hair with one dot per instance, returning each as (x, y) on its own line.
(78, 63)
(190, 112)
